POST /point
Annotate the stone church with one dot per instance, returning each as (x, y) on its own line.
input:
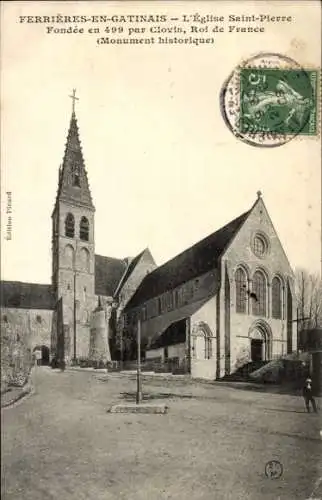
(226, 301)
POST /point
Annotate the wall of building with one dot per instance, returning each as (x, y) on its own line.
(75, 268)
(177, 351)
(21, 331)
(174, 351)
(32, 325)
(155, 354)
(241, 327)
(273, 263)
(162, 311)
(203, 368)
(203, 325)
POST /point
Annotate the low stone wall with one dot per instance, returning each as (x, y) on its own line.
(16, 357)
(172, 365)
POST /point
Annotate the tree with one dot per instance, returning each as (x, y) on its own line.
(308, 289)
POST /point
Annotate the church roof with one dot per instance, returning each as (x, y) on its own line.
(17, 294)
(193, 262)
(73, 169)
(108, 273)
(128, 271)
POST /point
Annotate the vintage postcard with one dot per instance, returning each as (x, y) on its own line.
(161, 287)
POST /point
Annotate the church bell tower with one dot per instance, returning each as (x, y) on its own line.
(73, 253)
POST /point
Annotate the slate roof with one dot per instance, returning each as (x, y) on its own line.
(128, 272)
(108, 273)
(26, 295)
(131, 266)
(197, 260)
(73, 157)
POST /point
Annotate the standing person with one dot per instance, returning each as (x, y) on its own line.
(308, 395)
(38, 356)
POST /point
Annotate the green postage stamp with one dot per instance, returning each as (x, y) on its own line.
(278, 101)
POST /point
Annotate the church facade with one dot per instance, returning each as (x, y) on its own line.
(224, 302)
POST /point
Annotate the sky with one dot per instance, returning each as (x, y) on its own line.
(164, 170)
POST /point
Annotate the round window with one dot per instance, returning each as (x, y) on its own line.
(260, 245)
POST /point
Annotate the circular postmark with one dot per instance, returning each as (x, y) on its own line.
(273, 469)
(269, 99)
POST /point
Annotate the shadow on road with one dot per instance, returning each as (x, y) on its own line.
(290, 390)
(285, 411)
(131, 396)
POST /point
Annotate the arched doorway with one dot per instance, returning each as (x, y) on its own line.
(202, 341)
(260, 341)
(44, 350)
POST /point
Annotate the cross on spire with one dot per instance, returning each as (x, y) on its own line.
(74, 98)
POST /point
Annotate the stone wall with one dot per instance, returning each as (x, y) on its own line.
(74, 265)
(203, 329)
(21, 331)
(33, 326)
(174, 351)
(273, 263)
(99, 350)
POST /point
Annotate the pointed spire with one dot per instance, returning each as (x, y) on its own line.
(73, 184)
(59, 175)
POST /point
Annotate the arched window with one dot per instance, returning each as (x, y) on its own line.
(208, 346)
(277, 298)
(241, 289)
(260, 245)
(258, 294)
(70, 226)
(202, 346)
(84, 229)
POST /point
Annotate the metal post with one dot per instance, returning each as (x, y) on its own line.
(297, 329)
(188, 344)
(138, 376)
(74, 319)
(121, 348)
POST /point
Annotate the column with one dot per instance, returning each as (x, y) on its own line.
(248, 301)
(268, 300)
